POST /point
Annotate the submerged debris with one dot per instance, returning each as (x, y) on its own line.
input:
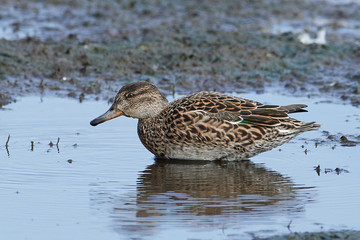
(343, 140)
(337, 170)
(51, 144)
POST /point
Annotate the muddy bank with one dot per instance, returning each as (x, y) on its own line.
(341, 235)
(240, 62)
(90, 48)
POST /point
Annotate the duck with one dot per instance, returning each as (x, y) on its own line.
(206, 125)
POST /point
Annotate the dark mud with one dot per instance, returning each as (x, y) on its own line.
(339, 139)
(89, 49)
(348, 235)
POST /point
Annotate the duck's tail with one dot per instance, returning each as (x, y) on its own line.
(294, 108)
(309, 126)
(300, 126)
(295, 127)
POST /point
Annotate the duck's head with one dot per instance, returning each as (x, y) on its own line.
(138, 100)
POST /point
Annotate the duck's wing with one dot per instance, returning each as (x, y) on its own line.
(236, 110)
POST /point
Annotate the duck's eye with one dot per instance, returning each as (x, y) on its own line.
(130, 95)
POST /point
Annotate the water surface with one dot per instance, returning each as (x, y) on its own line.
(101, 183)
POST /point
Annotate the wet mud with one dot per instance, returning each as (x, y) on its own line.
(350, 235)
(88, 49)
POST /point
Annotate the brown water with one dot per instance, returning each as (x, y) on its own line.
(101, 183)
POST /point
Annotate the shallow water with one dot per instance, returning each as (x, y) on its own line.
(101, 183)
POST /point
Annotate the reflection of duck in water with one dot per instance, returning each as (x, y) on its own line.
(205, 125)
(211, 188)
(183, 194)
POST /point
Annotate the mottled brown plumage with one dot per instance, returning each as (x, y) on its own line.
(205, 125)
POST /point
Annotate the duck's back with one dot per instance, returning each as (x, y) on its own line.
(211, 126)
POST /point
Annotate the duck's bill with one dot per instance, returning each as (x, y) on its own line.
(110, 114)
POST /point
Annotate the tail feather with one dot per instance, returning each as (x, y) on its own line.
(292, 130)
(294, 108)
(309, 126)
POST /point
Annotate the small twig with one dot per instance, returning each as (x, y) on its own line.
(57, 144)
(318, 170)
(6, 146)
(289, 225)
(7, 142)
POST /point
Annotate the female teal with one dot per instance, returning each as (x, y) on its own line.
(205, 125)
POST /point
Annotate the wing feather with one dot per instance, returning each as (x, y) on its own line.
(236, 110)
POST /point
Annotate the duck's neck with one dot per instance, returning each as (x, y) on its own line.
(153, 109)
(154, 112)
(153, 117)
